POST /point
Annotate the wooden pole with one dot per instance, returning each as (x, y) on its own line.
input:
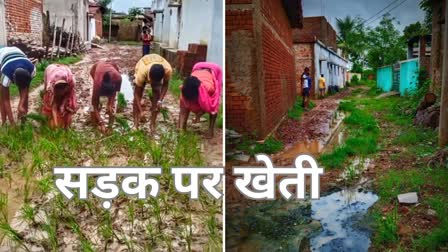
(73, 37)
(60, 36)
(110, 21)
(443, 123)
(54, 36)
(67, 45)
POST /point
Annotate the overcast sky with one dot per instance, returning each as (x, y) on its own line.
(124, 5)
(409, 12)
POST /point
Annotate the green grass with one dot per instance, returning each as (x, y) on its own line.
(121, 101)
(362, 130)
(296, 111)
(386, 228)
(175, 83)
(270, 146)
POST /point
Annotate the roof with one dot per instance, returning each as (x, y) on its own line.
(294, 12)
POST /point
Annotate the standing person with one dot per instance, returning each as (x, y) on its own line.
(154, 70)
(106, 83)
(322, 86)
(201, 93)
(306, 87)
(15, 68)
(59, 101)
(146, 39)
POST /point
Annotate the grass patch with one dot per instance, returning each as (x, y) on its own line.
(386, 228)
(347, 106)
(175, 83)
(270, 146)
(296, 111)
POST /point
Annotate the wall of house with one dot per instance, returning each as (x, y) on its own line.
(99, 24)
(196, 28)
(2, 24)
(242, 92)
(75, 13)
(23, 20)
(260, 72)
(316, 28)
(331, 65)
(304, 57)
(278, 73)
(214, 50)
(158, 27)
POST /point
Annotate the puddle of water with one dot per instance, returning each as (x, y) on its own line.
(126, 88)
(341, 214)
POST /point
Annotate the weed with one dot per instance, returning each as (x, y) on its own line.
(347, 106)
(387, 228)
(270, 146)
(296, 111)
(28, 213)
(121, 102)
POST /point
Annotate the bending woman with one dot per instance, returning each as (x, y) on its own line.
(59, 102)
(201, 93)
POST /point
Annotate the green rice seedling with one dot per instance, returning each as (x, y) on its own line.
(121, 102)
(51, 228)
(4, 206)
(37, 118)
(45, 185)
(175, 83)
(123, 122)
(11, 235)
(28, 214)
(131, 215)
(106, 229)
(149, 93)
(157, 212)
(165, 114)
(156, 153)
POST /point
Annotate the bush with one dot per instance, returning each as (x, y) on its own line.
(354, 80)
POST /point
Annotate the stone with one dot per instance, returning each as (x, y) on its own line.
(408, 198)
(242, 157)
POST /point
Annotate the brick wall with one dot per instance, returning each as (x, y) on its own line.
(99, 24)
(278, 64)
(242, 96)
(260, 78)
(304, 56)
(316, 28)
(24, 20)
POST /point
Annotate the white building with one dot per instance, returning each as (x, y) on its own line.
(180, 23)
(75, 13)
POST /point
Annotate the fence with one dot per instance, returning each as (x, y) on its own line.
(407, 77)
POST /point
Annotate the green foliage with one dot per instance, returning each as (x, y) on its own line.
(386, 45)
(134, 12)
(415, 29)
(355, 80)
(121, 101)
(352, 39)
(270, 146)
(387, 228)
(347, 106)
(296, 111)
(175, 83)
(426, 6)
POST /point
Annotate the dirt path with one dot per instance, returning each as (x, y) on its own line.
(126, 57)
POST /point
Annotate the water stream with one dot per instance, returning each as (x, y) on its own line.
(126, 88)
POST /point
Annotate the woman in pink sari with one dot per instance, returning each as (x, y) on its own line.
(201, 93)
(59, 101)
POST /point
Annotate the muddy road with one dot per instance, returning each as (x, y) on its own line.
(126, 57)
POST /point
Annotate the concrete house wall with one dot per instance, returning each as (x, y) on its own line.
(2, 24)
(75, 13)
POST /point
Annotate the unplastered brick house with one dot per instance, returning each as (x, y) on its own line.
(315, 47)
(260, 67)
(21, 20)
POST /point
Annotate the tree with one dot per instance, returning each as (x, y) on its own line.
(352, 41)
(134, 12)
(426, 6)
(412, 30)
(385, 45)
